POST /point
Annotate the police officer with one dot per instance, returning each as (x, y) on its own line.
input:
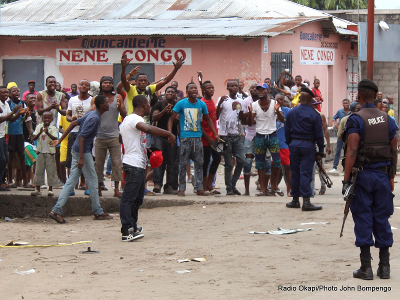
(372, 149)
(303, 128)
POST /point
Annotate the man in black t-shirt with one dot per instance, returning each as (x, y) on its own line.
(162, 112)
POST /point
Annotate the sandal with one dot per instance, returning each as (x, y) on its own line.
(102, 217)
(149, 193)
(82, 188)
(279, 192)
(117, 194)
(181, 193)
(215, 192)
(57, 218)
(323, 190)
(203, 193)
(13, 186)
(259, 194)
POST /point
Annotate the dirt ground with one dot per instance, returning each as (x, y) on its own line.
(238, 265)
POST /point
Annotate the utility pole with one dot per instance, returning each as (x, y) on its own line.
(370, 40)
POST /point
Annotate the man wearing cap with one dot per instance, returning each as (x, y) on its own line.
(266, 111)
(372, 150)
(303, 128)
(108, 135)
(133, 132)
(31, 89)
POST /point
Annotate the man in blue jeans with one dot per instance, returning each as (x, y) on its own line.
(336, 121)
(82, 161)
(133, 132)
(230, 114)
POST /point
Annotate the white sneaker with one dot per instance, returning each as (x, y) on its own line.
(333, 171)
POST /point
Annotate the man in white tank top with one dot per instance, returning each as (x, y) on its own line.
(266, 111)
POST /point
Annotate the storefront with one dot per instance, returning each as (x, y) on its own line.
(305, 47)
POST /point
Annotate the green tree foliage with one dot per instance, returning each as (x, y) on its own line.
(332, 4)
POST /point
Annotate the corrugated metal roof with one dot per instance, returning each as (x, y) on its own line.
(61, 10)
(156, 17)
(232, 27)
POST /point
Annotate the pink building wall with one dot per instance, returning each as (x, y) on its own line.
(333, 78)
(219, 60)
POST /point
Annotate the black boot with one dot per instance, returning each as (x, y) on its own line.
(365, 271)
(384, 268)
(295, 203)
(308, 206)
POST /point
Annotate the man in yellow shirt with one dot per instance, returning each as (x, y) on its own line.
(142, 84)
(387, 101)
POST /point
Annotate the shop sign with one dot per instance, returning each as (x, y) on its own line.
(317, 56)
(157, 56)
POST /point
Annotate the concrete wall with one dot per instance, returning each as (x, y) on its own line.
(387, 77)
(386, 74)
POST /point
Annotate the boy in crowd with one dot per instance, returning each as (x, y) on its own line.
(191, 110)
(45, 160)
(133, 131)
(15, 135)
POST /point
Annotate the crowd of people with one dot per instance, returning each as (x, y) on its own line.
(142, 134)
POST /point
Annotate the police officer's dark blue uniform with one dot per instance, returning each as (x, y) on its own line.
(303, 127)
(373, 202)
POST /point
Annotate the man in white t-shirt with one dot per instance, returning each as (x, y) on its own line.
(78, 106)
(230, 114)
(133, 132)
(266, 111)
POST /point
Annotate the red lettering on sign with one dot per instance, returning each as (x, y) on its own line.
(307, 54)
(164, 57)
(325, 55)
(76, 55)
(101, 55)
(142, 53)
(153, 54)
(89, 54)
(181, 53)
(67, 55)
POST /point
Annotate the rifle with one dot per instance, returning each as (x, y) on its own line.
(322, 171)
(349, 195)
